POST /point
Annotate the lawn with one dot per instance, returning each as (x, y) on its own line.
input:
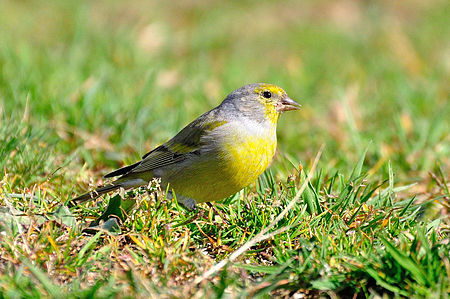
(89, 86)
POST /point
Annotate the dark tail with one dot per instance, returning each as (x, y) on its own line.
(94, 194)
(121, 171)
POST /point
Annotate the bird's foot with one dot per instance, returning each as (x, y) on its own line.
(187, 202)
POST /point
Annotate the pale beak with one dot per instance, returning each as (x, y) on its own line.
(287, 104)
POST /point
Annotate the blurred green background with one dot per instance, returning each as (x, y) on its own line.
(115, 78)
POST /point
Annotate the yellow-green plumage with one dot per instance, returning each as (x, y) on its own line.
(235, 164)
(216, 155)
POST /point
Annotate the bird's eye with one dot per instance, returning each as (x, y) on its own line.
(267, 94)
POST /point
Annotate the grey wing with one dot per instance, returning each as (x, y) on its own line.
(159, 157)
(185, 144)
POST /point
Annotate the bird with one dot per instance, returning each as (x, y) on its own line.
(218, 154)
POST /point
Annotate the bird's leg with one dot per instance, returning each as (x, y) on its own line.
(187, 202)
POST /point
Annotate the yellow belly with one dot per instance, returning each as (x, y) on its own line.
(248, 159)
(237, 164)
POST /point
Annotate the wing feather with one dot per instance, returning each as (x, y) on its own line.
(161, 157)
(184, 145)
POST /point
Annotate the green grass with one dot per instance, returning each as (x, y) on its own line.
(86, 87)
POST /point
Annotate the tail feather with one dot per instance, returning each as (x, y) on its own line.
(94, 194)
(121, 171)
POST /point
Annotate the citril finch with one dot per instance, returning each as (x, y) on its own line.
(216, 155)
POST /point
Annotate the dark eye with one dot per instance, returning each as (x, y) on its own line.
(267, 94)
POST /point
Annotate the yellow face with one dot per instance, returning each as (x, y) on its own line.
(275, 101)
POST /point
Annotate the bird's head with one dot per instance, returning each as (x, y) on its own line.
(262, 101)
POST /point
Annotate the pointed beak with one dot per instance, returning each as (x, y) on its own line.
(287, 104)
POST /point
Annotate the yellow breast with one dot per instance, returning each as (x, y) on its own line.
(244, 159)
(236, 162)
